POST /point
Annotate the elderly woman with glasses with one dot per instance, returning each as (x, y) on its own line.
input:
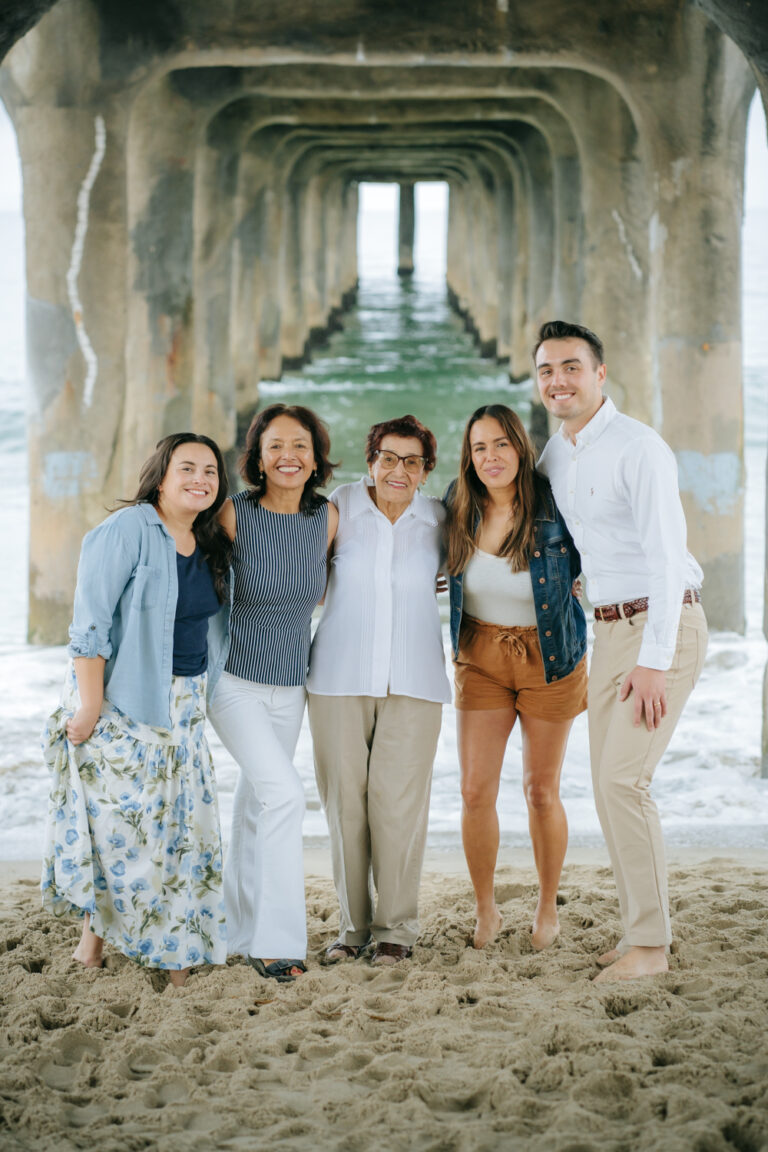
(376, 686)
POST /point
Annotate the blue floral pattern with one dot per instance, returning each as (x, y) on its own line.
(133, 831)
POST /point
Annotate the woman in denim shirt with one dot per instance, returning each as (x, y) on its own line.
(519, 641)
(132, 840)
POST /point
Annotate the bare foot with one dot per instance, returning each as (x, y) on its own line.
(487, 927)
(88, 958)
(90, 948)
(178, 976)
(634, 964)
(608, 958)
(545, 930)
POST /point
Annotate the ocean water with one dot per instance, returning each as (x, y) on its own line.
(402, 349)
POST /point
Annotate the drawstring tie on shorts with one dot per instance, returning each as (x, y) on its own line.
(512, 644)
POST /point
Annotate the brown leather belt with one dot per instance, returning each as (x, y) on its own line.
(611, 612)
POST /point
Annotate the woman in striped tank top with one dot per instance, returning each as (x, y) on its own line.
(281, 530)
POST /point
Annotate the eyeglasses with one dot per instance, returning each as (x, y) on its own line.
(412, 464)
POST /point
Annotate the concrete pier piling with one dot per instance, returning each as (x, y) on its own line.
(190, 195)
(406, 223)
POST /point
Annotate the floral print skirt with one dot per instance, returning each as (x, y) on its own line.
(133, 834)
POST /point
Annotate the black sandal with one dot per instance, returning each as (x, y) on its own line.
(279, 970)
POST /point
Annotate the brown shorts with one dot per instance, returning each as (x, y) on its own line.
(499, 666)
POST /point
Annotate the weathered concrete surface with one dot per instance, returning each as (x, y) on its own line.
(191, 178)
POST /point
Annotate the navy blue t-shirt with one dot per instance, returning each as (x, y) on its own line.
(197, 601)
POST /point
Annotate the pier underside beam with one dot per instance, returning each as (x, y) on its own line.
(191, 193)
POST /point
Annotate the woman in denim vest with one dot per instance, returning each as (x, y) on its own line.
(519, 641)
(132, 839)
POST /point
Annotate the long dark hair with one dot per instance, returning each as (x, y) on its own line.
(209, 534)
(250, 466)
(469, 496)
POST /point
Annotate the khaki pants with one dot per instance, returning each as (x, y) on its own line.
(373, 762)
(623, 762)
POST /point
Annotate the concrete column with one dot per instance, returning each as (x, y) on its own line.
(71, 142)
(246, 260)
(568, 271)
(486, 256)
(268, 195)
(456, 247)
(506, 230)
(696, 278)
(314, 258)
(614, 284)
(541, 223)
(214, 270)
(406, 226)
(517, 293)
(159, 351)
(481, 256)
(332, 192)
(350, 208)
(293, 330)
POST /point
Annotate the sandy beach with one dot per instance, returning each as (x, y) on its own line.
(452, 1050)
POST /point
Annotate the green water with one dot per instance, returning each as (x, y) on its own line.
(402, 350)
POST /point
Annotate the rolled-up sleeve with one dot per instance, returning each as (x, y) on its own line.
(107, 562)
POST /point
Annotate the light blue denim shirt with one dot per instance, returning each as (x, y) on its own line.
(125, 607)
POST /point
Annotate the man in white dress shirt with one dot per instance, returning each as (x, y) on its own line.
(615, 482)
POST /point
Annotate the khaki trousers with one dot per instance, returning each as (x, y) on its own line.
(623, 762)
(373, 762)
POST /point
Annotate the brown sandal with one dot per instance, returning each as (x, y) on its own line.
(386, 954)
(339, 951)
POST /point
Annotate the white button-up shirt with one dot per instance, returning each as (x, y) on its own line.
(617, 490)
(380, 629)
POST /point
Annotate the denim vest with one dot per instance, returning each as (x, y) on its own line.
(554, 564)
(125, 608)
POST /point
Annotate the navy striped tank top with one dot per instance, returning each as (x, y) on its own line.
(280, 568)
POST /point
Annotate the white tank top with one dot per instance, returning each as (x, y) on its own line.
(496, 594)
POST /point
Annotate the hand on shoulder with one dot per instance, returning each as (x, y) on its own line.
(333, 522)
(228, 518)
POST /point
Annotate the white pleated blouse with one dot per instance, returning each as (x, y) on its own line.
(380, 629)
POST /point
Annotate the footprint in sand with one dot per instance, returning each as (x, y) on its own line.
(382, 1007)
(69, 1049)
(223, 1063)
(59, 1066)
(695, 989)
(169, 1092)
(142, 1062)
(56, 1076)
(32, 963)
(389, 977)
(55, 1015)
(122, 1011)
(505, 892)
(617, 1005)
(609, 1094)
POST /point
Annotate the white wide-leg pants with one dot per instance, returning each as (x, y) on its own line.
(259, 725)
